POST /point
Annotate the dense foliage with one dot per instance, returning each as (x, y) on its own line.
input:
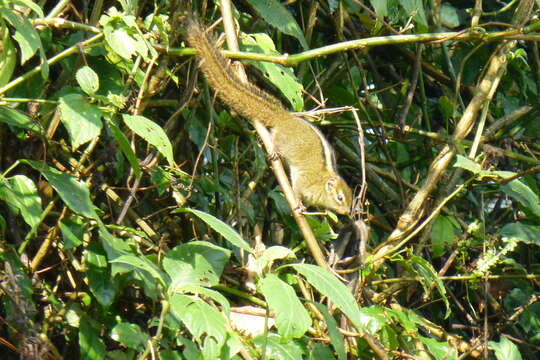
(139, 218)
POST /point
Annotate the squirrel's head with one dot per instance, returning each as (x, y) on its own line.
(339, 197)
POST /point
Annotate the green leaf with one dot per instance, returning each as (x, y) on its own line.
(73, 231)
(407, 318)
(121, 43)
(467, 164)
(380, 7)
(3, 227)
(320, 352)
(333, 331)
(274, 13)
(123, 144)
(113, 246)
(138, 264)
(328, 285)
(292, 319)
(212, 294)
(429, 277)
(443, 233)
(450, 15)
(81, 119)
(201, 320)
(439, 349)
(505, 349)
(333, 5)
(31, 5)
(518, 190)
(198, 263)
(74, 193)
(99, 275)
(272, 254)
(151, 132)
(415, 8)
(88, 80)
(129, 335)
(169, 354)
(25, 35)
(529, 234)
(281, 77)
(225, 230)
(91, 346)
(276, 349)
(21, 195)
(17, 119)
(8, 58)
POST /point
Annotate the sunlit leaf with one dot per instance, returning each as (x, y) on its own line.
(21, 195)
(88, 80)
(292, 319)
(81, 119)
(225, 230)
(129, 335)
(74, 193)
(274, 13)
(151, 132)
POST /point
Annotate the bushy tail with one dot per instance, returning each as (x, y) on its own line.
(246, 99)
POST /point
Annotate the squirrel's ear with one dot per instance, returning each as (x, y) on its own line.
(331, 184)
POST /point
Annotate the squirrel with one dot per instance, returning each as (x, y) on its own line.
(309, 156)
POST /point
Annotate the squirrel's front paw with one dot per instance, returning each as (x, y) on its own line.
(300, 208)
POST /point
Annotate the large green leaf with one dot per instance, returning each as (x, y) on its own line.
(320, 352)
(201, 319)
(415, 8)
(443, 233)
(99, 275)
(25, 35)
(439, 349)
(212, 294)
(90, 344)
(380, 7)
(74, 193)
(292, 319)
(225, 230)
(429, 277)
(8, 58)
(31, 5)
(130, 335)
(81, 119)
(328, 285)
(196, 263)
(274, 13)
(276, 349)
(73, 230)
(21, 195)
(468, 164)
(123, 144)
(529, 234)
(520, 191)
(333, 331)
(151, 132)
(505, 349)
(120, 42)
(17, 119)
(138, 264)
